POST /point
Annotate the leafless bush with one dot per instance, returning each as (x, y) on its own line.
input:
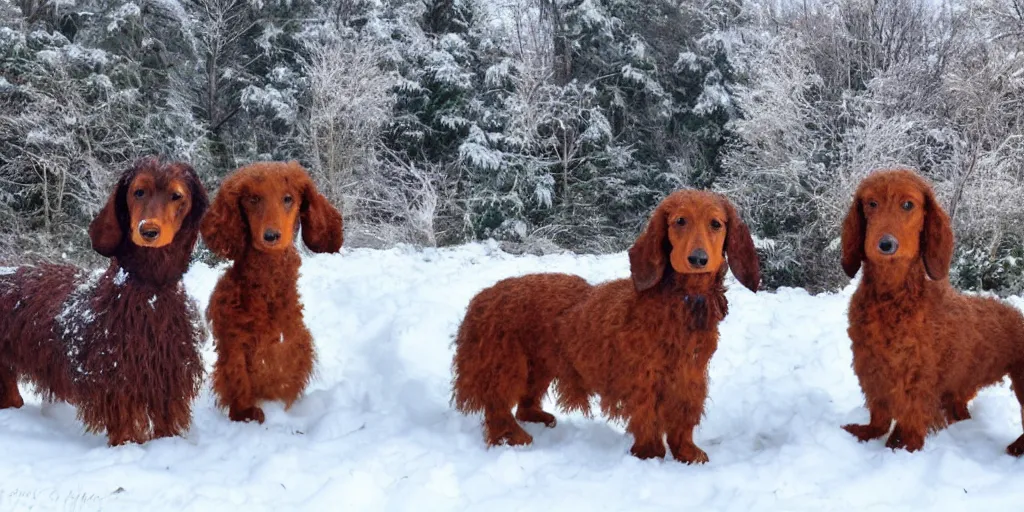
(399, 203)
(779, 167)
(388, 199)
(64, 141)
(987, 180)
(352, 100)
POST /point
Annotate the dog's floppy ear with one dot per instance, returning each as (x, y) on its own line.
(322, 228)
(107, 230)
(647, 257)
(853, 237)
(224, 226)
(200, 200)
(739, 249)
(936, 238)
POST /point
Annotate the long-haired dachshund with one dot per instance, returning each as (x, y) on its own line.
(920, 349)
(642, 344)
(264, 351)
(121, 345)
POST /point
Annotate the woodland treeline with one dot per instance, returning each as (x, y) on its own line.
(545, 124)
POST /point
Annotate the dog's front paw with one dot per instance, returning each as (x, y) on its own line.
(513, 438)
(957, 412)
(248, 414)
(895, 441)
(506, 432)
(536, 416)
(690, 454)
(652, 450)
(1017, 448)
(12, 402)
(520, 438)
(864, 433)
(909, 441)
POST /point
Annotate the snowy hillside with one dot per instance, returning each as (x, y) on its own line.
(375, 431)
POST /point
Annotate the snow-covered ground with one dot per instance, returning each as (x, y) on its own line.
(375, 431)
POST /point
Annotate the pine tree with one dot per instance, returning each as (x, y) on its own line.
(84, 93)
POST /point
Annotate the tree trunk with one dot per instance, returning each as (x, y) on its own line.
(560, 42)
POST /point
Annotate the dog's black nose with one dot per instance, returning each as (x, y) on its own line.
(271, 235)
(888, 244)
(149, 232)
(698, 258)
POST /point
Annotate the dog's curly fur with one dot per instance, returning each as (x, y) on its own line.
(920, 349)
(264, 351)
(643, 344)
(121, 345)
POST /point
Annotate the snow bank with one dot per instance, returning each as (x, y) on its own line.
(375, 431)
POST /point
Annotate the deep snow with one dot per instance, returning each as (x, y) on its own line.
(375, 430)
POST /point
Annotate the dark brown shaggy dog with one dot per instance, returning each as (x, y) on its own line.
(121, 345)
(642, 344)
(264, 351)
(920, 349)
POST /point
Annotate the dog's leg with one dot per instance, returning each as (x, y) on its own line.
(172, 417)
(530, 404)
(915, 401)
(1017, 383)
(881, 422)
(161, 429)
(680, 441)
(895, 440)
(231, 382)
(955, 408)
(246, 414)
(118, 435)
(296, 356)
(502, 428)
(123, 416)
(160, 417)
(115, 437)
(9, 395)
(680, 416)
(912, 421)
(909, 437)
(1017, 447)
(647, 437)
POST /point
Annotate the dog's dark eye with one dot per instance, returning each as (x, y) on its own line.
(907, 205)
(288, 200)
(139, 193)
(176, 196)
(254, 199)
(715, 225)
(872, 204)
(680, 221)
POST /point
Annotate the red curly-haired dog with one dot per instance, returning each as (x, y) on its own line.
(121, 345)
(920, 349)
(264, 351)
(643, 344)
